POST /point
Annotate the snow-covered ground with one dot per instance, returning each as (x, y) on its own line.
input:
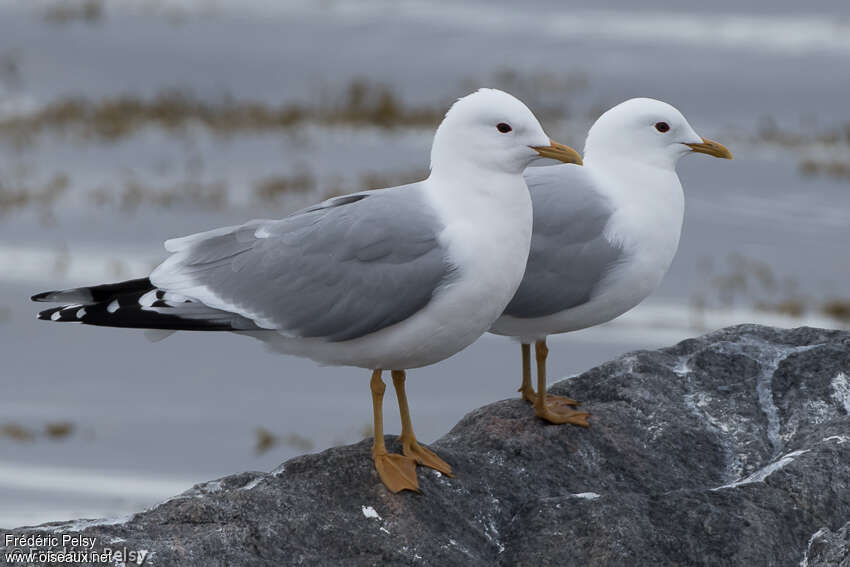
(150, 419)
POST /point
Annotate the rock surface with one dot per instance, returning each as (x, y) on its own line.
(728, 449)
(828, 549)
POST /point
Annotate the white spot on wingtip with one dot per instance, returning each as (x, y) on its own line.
(56, 316)
(147, 299)
(81, 312)
(113, 306)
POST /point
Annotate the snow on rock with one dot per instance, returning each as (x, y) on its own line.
(841, 391)
(370, 512)
(587, 495)
(761, 474)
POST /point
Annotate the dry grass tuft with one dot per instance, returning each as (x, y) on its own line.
(66, 11)
(830, 168)
(747, 281)
(135, 194)
(59, 429)
(770, 132)
(266, 440)
(838, 309)
(12, 199)
(16, 432)
(111, 119)
(55, 430)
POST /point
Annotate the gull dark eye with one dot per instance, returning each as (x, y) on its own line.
(504, 128)
(662, 127)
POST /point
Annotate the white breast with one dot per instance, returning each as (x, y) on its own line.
(647, 223)
(488, 235)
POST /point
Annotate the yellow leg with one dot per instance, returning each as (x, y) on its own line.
(410, 445)
(397, 472)
(553, 409)
(525, 388)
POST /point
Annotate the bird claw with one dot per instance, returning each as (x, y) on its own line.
(555, 411)
(426, 457)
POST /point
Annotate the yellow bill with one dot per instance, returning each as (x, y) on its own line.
(559, 152)
(711, 148)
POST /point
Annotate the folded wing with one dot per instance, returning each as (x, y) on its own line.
(340, 270)
(570, 254)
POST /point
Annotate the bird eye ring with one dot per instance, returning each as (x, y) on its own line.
(504, 128)
(662, 127)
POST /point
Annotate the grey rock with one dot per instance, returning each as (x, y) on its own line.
(828, 549)
(728, 449)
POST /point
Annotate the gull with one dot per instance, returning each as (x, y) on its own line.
(604, 234)
(393, 279)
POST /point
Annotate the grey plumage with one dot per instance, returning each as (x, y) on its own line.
(569, 254)
(326, 271)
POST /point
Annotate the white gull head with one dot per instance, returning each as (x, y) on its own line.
(492, 130)
(648, 131)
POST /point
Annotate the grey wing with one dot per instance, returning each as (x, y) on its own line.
(340, 270)
(570, 254)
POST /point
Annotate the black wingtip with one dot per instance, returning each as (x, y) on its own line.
(43, 296)
(64, 314)
(46, 315)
